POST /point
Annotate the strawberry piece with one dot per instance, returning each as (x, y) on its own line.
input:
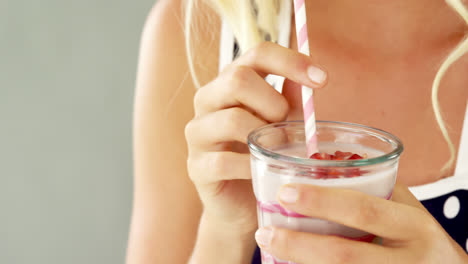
(351, 173)
(321, 174)
(339, 155)
(317, 173)
(316, 156)
(355, 157)
(321, 156)
(332, 173)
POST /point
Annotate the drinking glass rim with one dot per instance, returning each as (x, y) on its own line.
(253, 145)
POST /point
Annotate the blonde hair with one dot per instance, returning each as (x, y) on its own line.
(252, 20)
(258, 20)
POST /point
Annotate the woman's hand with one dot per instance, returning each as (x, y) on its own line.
(227, 109)
(410, 234)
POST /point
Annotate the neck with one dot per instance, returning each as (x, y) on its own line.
(387, 28)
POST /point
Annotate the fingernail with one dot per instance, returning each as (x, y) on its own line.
(264, 236)
(316, 74)
(288, 194)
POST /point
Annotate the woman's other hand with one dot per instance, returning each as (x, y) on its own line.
(409, 233)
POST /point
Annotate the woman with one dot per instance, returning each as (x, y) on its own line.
(372, 63)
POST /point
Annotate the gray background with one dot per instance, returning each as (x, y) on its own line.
(67, 71)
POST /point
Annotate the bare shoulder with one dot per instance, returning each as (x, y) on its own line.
(166, 208)
(163, 36)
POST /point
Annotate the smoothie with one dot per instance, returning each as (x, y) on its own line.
(284, 161)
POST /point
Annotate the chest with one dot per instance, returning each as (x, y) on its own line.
(395, 96)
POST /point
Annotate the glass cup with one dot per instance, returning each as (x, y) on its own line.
(278, 157)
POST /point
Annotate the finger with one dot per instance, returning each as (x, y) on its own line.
(210, 167)
(272, 58)
(242, 86)
(233, 124)
(308, 248)
(401, 194)
(355, 209)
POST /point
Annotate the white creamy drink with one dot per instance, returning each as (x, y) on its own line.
(267, 182)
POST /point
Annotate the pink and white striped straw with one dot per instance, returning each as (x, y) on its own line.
(307, 93)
